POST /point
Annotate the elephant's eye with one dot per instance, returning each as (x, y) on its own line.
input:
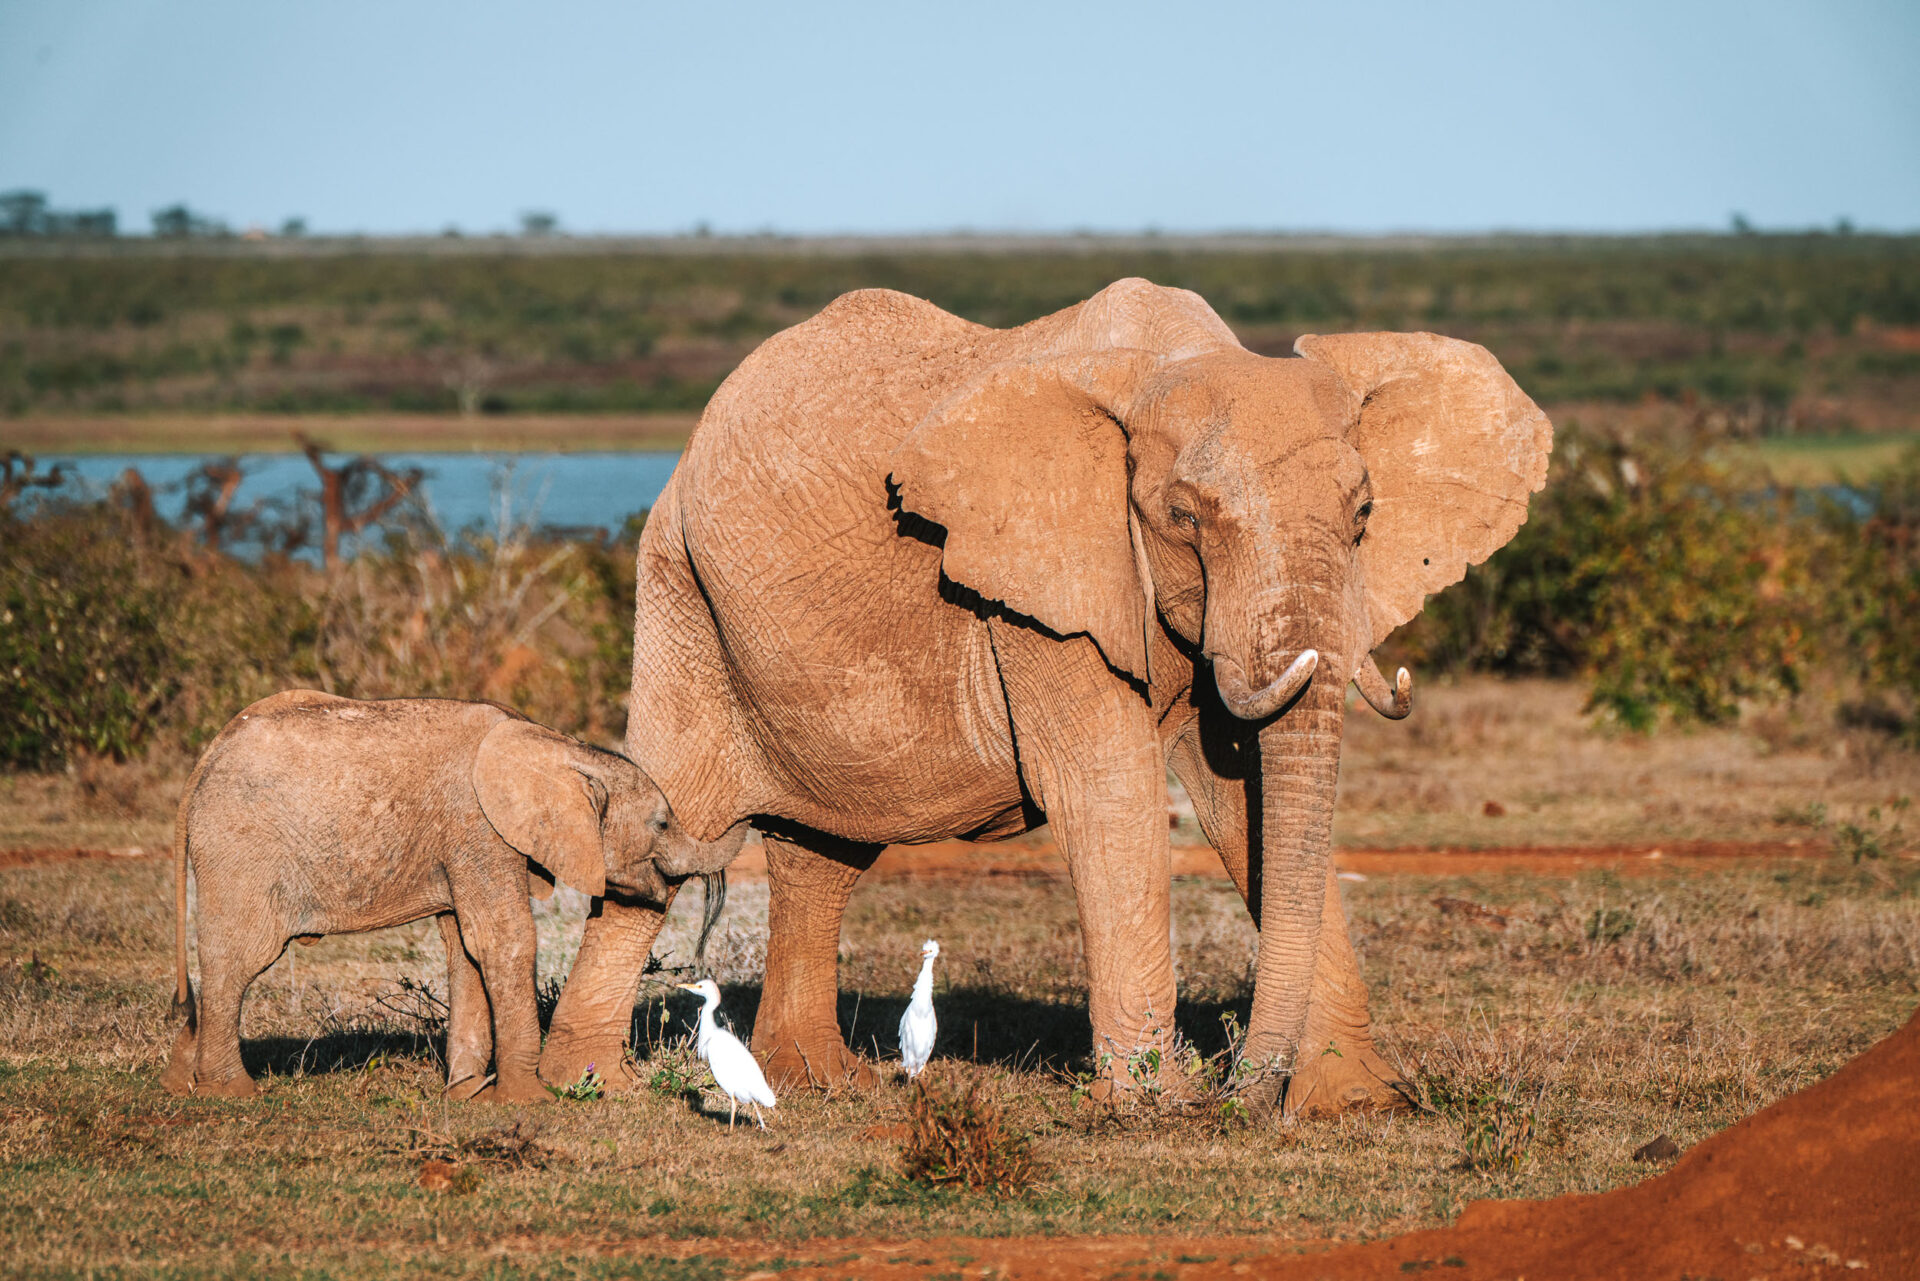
(658, 824)
(1360, 520)
(1181, 516)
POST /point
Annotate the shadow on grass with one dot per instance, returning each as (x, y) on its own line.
(350, 1051)
(976, 1025)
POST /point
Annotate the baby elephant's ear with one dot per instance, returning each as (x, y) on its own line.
(533, 791)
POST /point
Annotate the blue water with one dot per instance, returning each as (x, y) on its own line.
(462, 491)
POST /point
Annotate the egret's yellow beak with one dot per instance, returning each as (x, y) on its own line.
(688, 987)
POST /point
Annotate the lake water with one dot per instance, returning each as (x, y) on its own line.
(462, 490)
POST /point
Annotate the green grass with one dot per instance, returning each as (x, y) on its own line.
(1763, 326)
(1826, 460)
(220, 434)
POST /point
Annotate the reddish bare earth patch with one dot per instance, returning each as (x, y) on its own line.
(1042, 858)
(70, 854)
(1828, 1178)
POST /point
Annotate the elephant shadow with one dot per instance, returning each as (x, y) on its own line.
(977, 1025)
(341, 1051)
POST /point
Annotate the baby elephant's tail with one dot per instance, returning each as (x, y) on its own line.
(178, 1078)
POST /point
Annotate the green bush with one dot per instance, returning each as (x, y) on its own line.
(1874, 597)
(1678, 589)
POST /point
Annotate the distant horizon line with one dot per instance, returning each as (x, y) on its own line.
(707, 239)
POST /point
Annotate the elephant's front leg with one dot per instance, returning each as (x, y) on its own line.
(595, 1014)
(796, 1033)
(1339, 1068)
(1090, 756)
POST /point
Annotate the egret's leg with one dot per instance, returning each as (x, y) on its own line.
(733, 1106)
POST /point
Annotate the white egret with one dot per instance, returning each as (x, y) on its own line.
(917, 1025)
(734, 1068)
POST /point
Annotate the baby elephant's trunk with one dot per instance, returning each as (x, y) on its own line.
(714, 886)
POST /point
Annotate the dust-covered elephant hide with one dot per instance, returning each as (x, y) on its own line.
(915, 578)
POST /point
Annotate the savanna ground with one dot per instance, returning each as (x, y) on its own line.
(1554, 1020)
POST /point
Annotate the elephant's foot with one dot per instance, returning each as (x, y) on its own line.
(525, 1089)
(178, 1078)
(821, 1061)
(1346, 1078)
(467, 1088)
(239, 1087)
(564, 1062)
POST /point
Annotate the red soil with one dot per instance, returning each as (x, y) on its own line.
(1827, 1178)
(69, 854)
(1042, 859)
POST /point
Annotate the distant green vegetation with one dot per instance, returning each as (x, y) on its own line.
(1765, 325)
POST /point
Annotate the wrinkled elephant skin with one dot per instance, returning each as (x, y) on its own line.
(915, 578)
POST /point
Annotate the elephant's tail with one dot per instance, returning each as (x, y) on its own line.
(179, 1073)
(183, 986)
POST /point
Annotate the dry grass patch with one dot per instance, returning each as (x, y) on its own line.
(1549, 1054)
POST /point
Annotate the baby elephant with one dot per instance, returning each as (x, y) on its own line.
(313, 815)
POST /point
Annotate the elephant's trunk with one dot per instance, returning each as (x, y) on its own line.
(1299, 769)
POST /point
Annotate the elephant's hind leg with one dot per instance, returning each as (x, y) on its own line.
(1340, 1068)
(797, 1031)
(178, 1078)
(469, 1017)
(227, 968)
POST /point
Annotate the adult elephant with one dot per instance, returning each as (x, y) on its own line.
(916, 578)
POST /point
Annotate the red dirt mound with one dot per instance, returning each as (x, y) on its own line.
(1826, 1178)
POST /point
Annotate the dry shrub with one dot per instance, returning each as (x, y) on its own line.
(118, 633)
(961, 1138)
(508, 1147)
(535, 623)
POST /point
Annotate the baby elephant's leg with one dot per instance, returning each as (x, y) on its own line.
(497, 927)
(230, 960)
(469, 1020)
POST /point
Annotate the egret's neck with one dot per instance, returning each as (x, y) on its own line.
(923, 986)
(707, 1027)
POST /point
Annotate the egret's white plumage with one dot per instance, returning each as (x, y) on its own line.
(917, 1025)
(734, 1068)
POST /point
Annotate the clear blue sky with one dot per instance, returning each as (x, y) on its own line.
(811, 117)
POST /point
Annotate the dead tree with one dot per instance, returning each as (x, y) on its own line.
(210, 494)
(134, 496)
(354, 495)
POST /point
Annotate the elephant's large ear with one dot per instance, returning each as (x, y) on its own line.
(1026, 469)
(532, 789)
(1454, 449)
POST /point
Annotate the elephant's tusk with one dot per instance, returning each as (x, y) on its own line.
(1251, 705)
(1391, 703)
